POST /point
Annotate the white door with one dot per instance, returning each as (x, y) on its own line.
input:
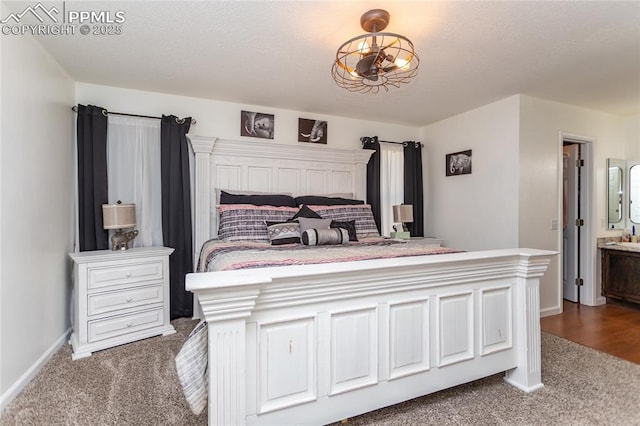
(570, 240)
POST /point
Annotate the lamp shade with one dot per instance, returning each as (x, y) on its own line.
(117, 216)
(403, 213)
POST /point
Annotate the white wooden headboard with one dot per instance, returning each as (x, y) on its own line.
(302, 169)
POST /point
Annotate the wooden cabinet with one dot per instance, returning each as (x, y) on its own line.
(621, 275)
(119, 297)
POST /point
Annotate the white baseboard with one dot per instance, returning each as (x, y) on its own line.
(24, 380)
(600, 300)
(547, 312)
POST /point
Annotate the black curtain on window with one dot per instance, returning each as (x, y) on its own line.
(373, 176)
(413, 186)
(91, 128)
(176, 209)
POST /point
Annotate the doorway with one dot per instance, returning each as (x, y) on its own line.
(576, 193)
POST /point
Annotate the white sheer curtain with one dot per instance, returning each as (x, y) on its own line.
(133, 173)
(391, 183)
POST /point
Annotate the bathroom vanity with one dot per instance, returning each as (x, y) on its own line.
(621, 271)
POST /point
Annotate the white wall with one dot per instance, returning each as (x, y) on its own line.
(632, 136)
(541, 123)
(36, 205)
(478, 211)
(222, 119)
(512, 194)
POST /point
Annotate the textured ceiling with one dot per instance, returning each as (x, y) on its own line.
(279, 54)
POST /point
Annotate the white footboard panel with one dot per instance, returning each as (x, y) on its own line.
(319, 343)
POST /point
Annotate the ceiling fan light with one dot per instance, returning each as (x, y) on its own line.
(368, 62)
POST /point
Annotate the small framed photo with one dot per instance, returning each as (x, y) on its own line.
(256, 124)
(314, 131)
(458, 163)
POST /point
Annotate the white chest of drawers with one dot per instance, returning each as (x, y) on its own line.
(119, 297)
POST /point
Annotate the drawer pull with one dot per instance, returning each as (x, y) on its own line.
(129, 324)
(128, 274)
(129, 299)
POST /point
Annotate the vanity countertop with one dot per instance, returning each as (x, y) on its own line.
(635, 247)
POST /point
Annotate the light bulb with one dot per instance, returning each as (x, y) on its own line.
(402, 64)
(363, 47)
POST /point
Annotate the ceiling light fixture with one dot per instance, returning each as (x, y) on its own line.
(370, 61)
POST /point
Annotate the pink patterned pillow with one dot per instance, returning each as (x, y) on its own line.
(361, 213)
(247, 222)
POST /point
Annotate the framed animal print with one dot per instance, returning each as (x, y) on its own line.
(256, 124)
(458, 163)
(314, 131)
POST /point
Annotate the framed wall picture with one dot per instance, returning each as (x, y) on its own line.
(458, 163)
(256, 124)
(314, 131)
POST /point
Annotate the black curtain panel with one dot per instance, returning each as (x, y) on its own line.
(176, 210)
(413, 186)
(91, 128)
(373, 176)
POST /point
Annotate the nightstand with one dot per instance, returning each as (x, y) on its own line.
(119, 297)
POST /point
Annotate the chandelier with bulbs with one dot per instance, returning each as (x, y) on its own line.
(377, 60)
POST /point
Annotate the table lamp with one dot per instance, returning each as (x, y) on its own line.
(120, 216)
(402, 213)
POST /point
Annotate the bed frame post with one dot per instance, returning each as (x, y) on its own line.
(202, 147)
(361, 158)
(528, 375)
(226, 313)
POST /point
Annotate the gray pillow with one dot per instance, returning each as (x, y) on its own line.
(308, 223)
(321, 237)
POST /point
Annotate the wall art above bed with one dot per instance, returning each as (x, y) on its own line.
(458, 163)
(314, 131)
(257, 124)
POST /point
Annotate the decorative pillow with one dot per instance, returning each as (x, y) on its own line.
(191, 365)
(242, 222)
(277, 200)
(305, 211)
(326, 201)
(308, 223)
(362, 214)
(283, 232)
(245, 192)
(319, 237)
(350, 226)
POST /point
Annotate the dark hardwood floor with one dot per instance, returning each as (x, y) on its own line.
(612, 328)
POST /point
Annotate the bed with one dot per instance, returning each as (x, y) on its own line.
(314, 343)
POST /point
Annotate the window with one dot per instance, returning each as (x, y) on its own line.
(391, 183)
(133, 173)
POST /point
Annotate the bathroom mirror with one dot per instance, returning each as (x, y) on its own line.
(634, 192)
(615, 192)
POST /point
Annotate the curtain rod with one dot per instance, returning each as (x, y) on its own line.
(193, 121)
(366, 139)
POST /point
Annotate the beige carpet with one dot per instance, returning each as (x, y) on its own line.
(136, 384)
